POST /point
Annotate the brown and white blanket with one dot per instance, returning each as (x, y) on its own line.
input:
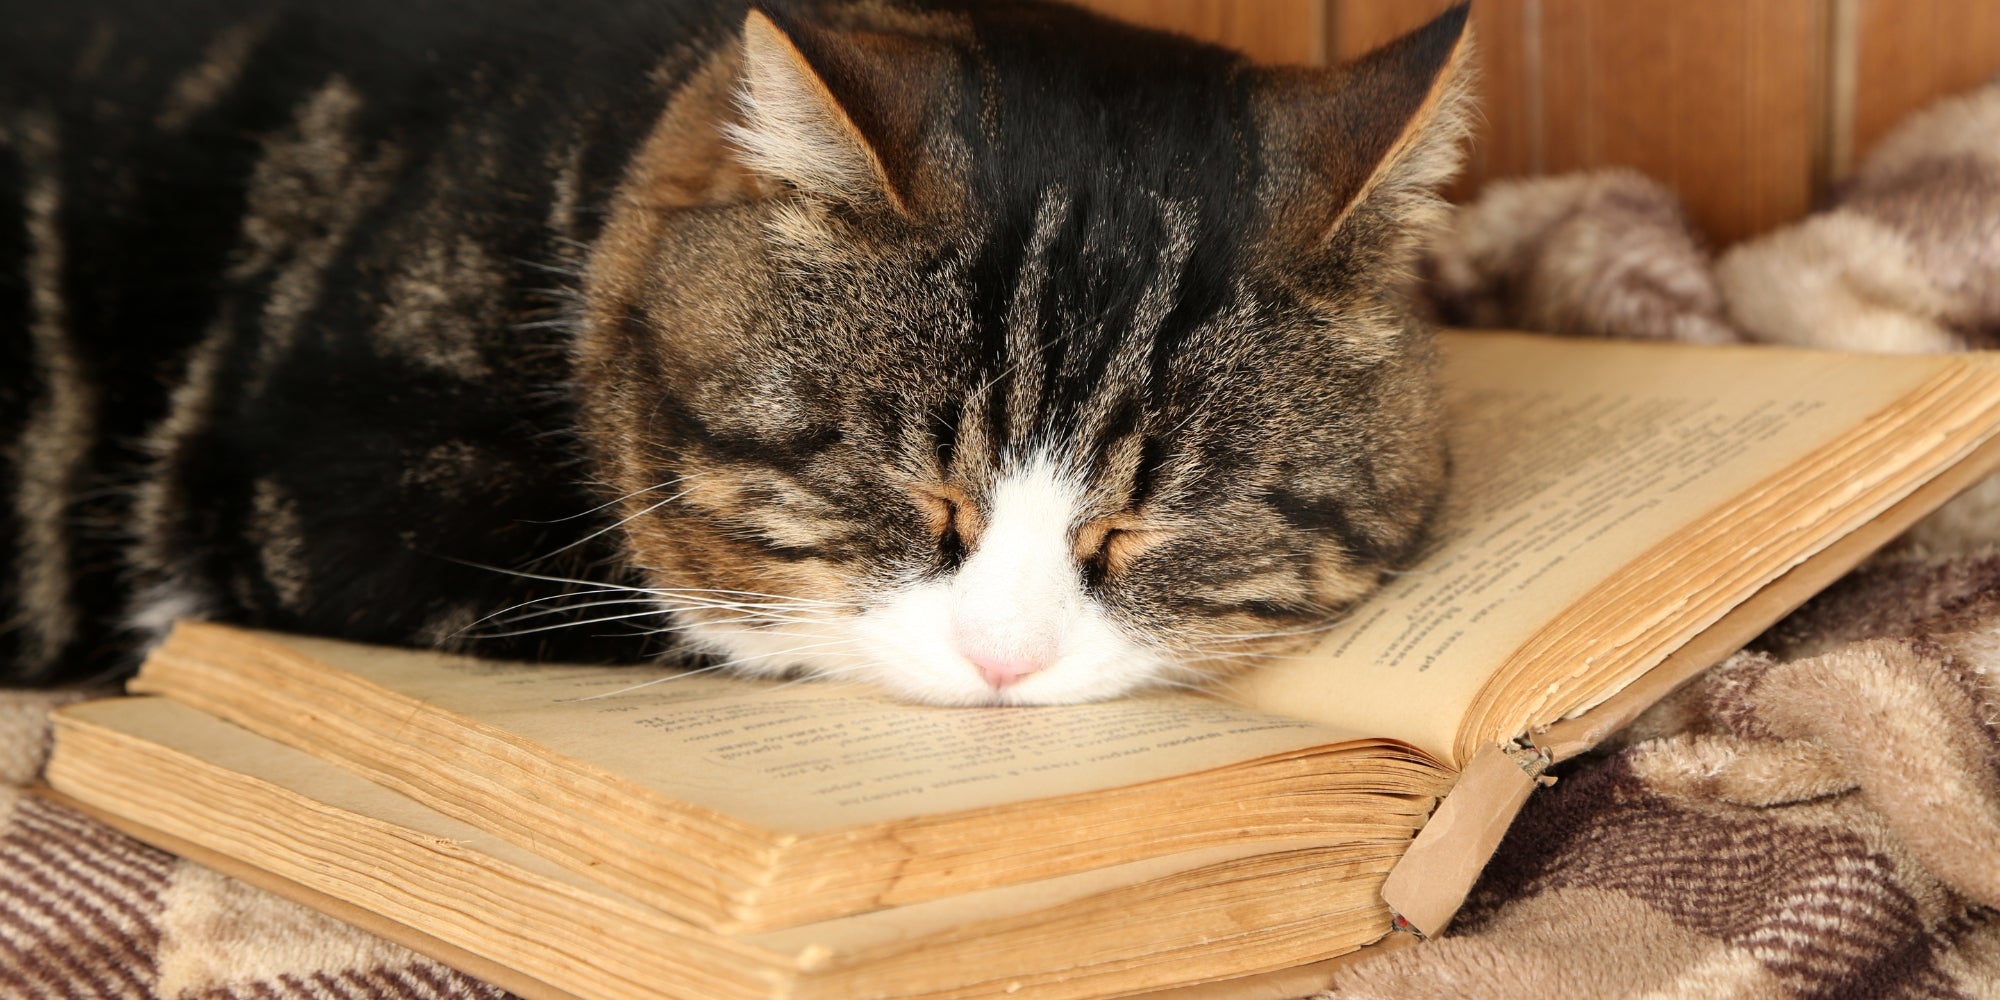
(1817, 817)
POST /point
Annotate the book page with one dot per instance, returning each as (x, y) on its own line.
(810, 756)
(1570, 459)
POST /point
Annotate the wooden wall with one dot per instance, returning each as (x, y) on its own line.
(1751, 109)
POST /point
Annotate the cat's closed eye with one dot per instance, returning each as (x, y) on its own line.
(1107, 547)
(952, 520)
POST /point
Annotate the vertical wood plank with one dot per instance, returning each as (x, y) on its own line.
(1269, 31)
(1842, 80)
(1357, 26)
(1509, 139)
(1720, 99)
(1717, 101)
(1909, 53)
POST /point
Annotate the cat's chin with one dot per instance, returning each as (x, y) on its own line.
(905, 651)
(1062, 684)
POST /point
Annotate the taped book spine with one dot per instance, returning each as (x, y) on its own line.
(1432, 880)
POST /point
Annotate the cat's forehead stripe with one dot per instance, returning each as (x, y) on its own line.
(1023, 333)
(1069, 375)
(1130, 369)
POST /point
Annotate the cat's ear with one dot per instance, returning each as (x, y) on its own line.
(836, 113)
(1375, 138)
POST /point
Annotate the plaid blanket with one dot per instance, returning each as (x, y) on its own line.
(1817, 817)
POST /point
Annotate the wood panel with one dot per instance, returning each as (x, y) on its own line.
(1356, 26)
(1270, 31)
(1909, 53)
(1719, 99)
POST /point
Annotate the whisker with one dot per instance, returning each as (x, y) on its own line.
(665, 591)
(575, 624)
(1279, 634)
(556, 323)
(739, 661)
(1227, 654)
(566, 609)
(607, 589)
(814, 601)
(788, 634)
(536, 576)
(567, 272)
(690, 672)
(621, 522)
(826, 675)
(772, 614)
(677, 480)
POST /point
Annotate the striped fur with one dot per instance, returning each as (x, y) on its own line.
(379, 322)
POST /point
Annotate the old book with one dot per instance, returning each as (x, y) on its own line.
(324, 836)
(1621, 515)
(745, 806)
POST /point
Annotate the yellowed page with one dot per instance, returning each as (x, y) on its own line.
(1690, 581)
(1571, 459)
(808, 757)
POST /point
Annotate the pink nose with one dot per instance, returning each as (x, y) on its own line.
(1001, 671)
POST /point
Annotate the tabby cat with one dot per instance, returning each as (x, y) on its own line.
(988, 352)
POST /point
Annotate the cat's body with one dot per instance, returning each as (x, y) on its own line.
(1036, 357)
(269, 311)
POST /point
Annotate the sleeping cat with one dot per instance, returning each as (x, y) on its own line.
(990, 353)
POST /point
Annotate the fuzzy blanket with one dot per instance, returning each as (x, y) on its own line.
(1820, 815)
(1817, 817)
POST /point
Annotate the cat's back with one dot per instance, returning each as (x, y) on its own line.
(127, 103)
(225, 225)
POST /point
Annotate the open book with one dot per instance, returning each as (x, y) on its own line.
(1621, 515)
(323, 836)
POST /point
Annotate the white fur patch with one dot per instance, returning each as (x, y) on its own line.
(158, 606)
(1017, 603)
(1017, 599)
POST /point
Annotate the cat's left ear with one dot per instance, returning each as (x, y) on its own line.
(1372, 141)
(840, 114)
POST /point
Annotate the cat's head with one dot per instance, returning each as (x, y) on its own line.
(1013, 355)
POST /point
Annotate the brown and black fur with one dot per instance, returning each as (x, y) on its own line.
(325, 317)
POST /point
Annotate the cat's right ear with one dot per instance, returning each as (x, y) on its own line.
(1372, 141)
(839, 114)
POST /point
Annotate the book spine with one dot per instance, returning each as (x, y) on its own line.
(1432, 880)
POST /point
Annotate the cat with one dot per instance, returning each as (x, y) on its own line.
(989, 353)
